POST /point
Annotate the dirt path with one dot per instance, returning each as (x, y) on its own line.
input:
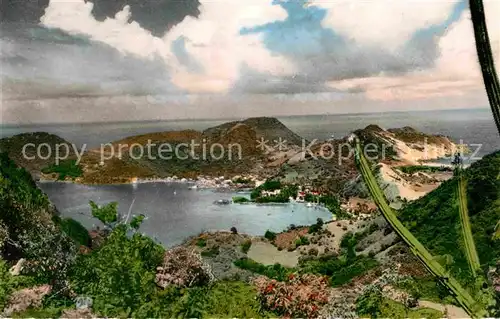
(453, 312)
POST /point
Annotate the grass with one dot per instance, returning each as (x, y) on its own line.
(392, 309)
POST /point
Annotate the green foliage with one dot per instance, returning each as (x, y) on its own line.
(270, 185)
(341, 270)
(27, 219)
(302, 241)
(211, 252)
(245, 247)
(137, 221)
(240, 199)
(224, 299)
(275, 271)
(120, 274)
(434, 219)
(65, 168)
(270, 235)
(316, 227)
(370, 303)
(332, 204)
(427, 288)
(107, 214)
(76, 231)
(201, 242)
(393, 309)
(6, 286)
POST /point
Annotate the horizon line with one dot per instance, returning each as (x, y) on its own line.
(238, 118)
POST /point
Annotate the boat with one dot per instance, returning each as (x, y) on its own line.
(309, 205)
(222, 202)
(193, 187)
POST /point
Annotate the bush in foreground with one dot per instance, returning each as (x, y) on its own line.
(182, 267)
(301, 296)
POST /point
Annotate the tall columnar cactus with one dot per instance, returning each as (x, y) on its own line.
(485, 56)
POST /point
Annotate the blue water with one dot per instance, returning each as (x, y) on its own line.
(171, 218)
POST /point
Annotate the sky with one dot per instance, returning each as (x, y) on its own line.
(121, 60)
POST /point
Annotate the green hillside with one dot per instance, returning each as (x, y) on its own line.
(435, 221)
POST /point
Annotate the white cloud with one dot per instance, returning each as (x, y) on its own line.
(212, 40)
(456, 72)
(383, 22)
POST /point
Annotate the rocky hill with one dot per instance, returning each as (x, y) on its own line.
(13, 146)
(268, 128)
(406, 144)
(327, 165)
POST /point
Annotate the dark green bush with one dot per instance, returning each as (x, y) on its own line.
(245, 247)
(276, 271)
(76, 231)
(270, 235)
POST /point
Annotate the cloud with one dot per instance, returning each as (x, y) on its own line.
(399, 50)
(455, 72)
(383, 23)
(212, 42)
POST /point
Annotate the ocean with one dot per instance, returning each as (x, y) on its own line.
(174, 212)
(474, 127)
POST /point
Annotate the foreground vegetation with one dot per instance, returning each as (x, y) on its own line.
(473, 306)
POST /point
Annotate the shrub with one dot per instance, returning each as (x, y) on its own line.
(313, 252)
(76, 231)
(316, 227)
(368, 304)
(340, 269)
(183, 268)
(107, 214)
(6, 286)
(224, 299)
(245, 247)
(234, 230)
(137, 221)
(270, 235)
(300, 296)
(240, 199)
(301, 241)
(120, 274)
(275, 271)
(211, 252)
(201, 242)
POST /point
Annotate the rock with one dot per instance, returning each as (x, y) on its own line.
(17, 268)
(77, 314)
(26, 298)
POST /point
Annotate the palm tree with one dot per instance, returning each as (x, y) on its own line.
(485, 56)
